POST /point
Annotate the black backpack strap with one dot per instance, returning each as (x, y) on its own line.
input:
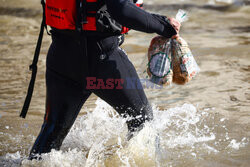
(33, 66)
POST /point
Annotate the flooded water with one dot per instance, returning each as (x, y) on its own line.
(203, 123)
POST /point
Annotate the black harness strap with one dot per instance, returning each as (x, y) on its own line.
(79, 16)
(33, 66)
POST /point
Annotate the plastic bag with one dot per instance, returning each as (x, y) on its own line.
(159, 61)
(183, 63)
(170, 60)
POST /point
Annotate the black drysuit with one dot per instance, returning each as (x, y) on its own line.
(71, 60)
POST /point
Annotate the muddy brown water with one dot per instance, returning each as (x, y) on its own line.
(218, 35)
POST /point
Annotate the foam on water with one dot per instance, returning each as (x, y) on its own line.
(99, 139)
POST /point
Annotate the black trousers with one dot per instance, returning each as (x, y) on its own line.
(77, 67)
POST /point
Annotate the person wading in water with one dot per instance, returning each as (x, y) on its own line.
(84, 58)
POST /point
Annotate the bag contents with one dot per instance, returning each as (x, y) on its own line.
(184, 65)
(159, 58)
(170, 60)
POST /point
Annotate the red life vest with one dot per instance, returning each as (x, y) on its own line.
(61, 14)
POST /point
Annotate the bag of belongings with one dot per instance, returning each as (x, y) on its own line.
(170, 60)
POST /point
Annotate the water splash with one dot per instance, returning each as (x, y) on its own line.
(175, 136)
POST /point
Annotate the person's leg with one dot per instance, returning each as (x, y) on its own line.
(128, 99)
(63, 103)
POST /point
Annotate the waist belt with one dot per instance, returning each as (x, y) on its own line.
(107, 42)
